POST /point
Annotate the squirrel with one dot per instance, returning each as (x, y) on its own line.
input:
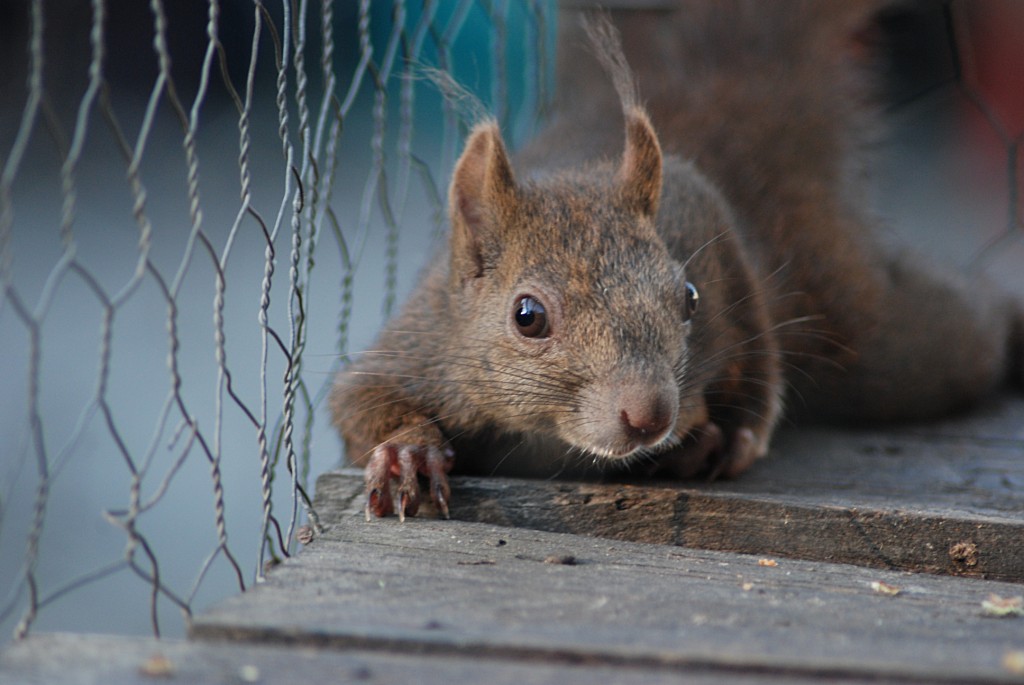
(652, 281)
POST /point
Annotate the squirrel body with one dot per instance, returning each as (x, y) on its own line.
(653, 312)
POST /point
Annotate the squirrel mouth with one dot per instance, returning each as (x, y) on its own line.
(633, 448)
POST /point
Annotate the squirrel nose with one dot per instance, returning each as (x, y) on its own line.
(645, 419)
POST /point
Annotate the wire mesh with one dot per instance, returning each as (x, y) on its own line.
(184, 178)
(951, 180)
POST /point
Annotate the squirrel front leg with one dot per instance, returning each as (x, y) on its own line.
(730, 420)
(417, 449)
(750, 403)
(716, 448)
(387, 434)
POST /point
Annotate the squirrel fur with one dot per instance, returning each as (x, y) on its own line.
(682, 252)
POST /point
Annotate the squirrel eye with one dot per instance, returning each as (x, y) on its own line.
(531, 317)
(692, 299)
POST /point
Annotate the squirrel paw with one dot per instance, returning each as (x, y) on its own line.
(693, 456)
(743, 450)
(404, 462)
(706, 451)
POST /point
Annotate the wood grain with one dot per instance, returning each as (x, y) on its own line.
(70, 659)
(947, 498)
(455, 588)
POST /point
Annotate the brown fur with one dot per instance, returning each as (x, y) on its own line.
(739, 174)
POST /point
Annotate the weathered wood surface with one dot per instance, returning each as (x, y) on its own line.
(971, 464)
(67, 659)
(473, 590)
(947, 498)
(498, 599)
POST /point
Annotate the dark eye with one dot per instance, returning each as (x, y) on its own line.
(692, 299)
(531, 318)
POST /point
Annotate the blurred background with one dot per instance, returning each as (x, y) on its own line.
(205, 206)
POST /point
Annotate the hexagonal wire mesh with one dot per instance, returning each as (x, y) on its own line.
(186, 211)
(188, 191)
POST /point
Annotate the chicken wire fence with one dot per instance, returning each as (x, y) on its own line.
(190, 193)
(188, 190)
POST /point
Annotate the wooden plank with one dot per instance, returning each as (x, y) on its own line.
(488, 592)
(944, 498)
(69, 659)
(906, 539)
(970, 464)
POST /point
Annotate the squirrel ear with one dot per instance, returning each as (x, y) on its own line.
(481, 193)
(640, 173)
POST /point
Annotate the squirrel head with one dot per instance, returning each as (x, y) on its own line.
(483, 196)
(565, 296)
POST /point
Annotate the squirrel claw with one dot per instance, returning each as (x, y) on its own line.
(378, 482)
(437, 463)
(378, 501)
(405, 463)
(408, 486)
(403, 501)
(440, 500)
